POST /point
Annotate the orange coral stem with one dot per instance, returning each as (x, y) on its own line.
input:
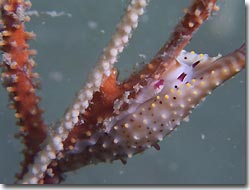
(18, 79)
(199, 11)
(111, 89)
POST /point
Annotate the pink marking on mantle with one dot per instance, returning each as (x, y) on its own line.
(159, 84)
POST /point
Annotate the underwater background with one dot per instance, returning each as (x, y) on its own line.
(209, 149)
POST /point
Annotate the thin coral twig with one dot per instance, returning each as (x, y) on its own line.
(19, 79)
(195, 15)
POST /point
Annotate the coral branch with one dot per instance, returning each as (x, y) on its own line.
(97, 78)
(19, 79)
(198, 12)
